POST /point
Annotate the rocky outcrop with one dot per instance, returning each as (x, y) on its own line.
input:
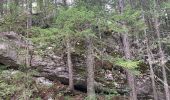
(13, 49)
(13, 52)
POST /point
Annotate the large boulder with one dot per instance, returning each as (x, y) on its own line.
(13, 49)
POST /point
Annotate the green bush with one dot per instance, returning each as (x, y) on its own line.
(16, 84)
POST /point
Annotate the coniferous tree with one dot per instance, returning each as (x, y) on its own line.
(126, 46)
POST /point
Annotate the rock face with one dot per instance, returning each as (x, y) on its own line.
(13, 52)
(48, 65)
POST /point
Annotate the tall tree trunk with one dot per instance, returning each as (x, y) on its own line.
(151, 68)
(29, 25)
(131, 78)
(90, 70)
(126, 45)
(1, 7)
(162, 56)
(6, 7)
(155, 95)
(149, 54)
(69, 63)
(30, 13)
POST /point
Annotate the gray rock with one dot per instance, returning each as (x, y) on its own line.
(44, 81)
(13, 52)
(9, 50)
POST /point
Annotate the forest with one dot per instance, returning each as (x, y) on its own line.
(84, 49)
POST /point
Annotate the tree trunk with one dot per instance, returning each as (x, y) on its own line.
(69, 63)
(131, 78)
(151, 68)
(1, 8)
(90, 70)
(29, 13)
(162, 56)
(155, 95)
(29, 25)
(126, 46)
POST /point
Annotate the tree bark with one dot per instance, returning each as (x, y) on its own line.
(70, 66)
(29, 13)
(131, 78)
(155, 95)
(1, 8)
(90, 70)
(29, 25)
(162, 58)
(126, 46)
(151, 68)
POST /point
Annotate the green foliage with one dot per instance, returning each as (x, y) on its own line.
(70, 23)
(128, 64)
(6, 90)
(14, 20)
(45, 37)
(131, 65)
(16, 83)
(74, 22)
(130, 17)
(109, 97)
(166, 5)
(91, 98)
(3, 67)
